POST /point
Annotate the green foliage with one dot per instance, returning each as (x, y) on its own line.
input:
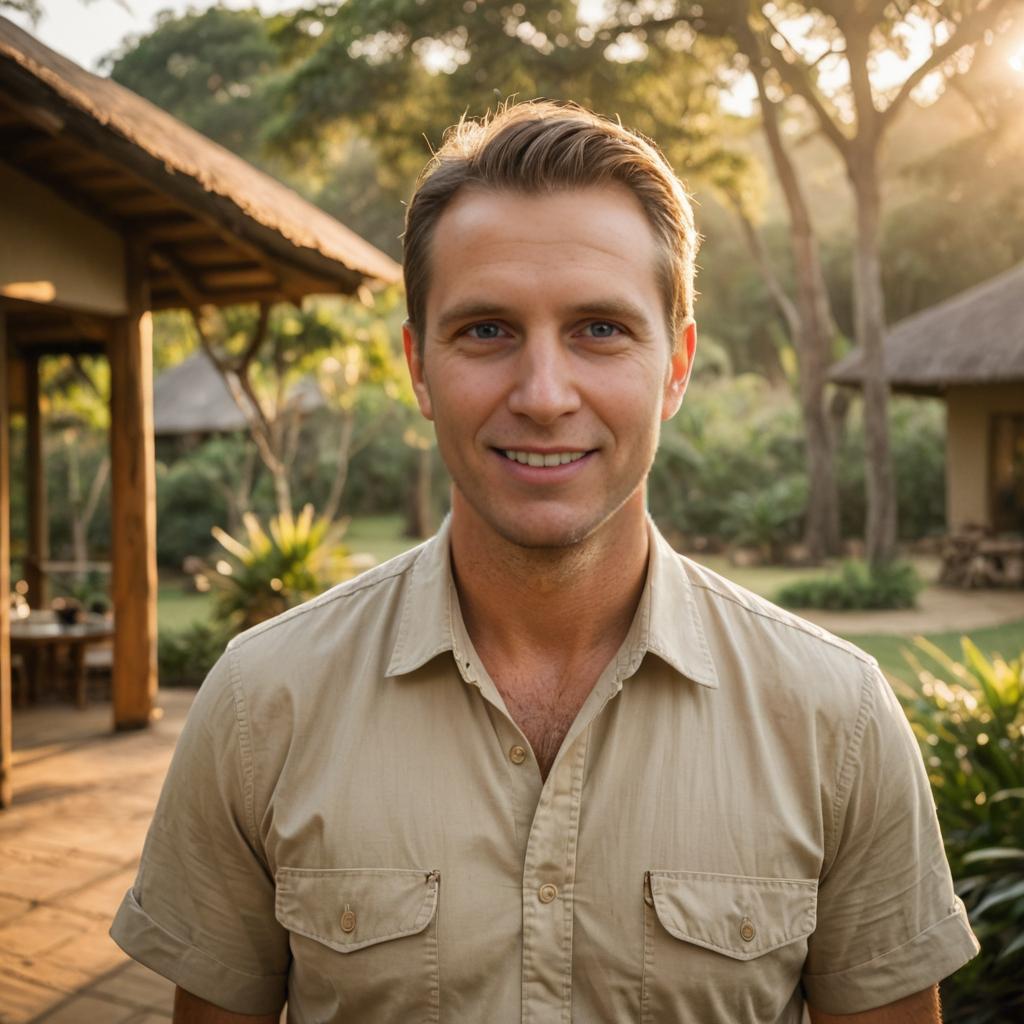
(766, 519)
(858, 586)
(274, 570)
(191, 499)
(917, 440)
(185, 656)
(968, 717)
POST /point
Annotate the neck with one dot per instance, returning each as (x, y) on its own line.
(561, 603)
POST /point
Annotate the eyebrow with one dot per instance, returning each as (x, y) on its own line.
(611, 309)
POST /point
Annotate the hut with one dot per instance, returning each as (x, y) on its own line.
(110, 209)
(191, 400)
(968, 350)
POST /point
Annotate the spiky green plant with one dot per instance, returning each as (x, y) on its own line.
(272, 570)
(968, 717)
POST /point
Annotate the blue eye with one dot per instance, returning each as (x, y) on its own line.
(602, 329)
(485, 331)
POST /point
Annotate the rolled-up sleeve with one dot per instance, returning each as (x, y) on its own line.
(889, 923)
(201, 911)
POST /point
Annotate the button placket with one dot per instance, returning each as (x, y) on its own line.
(548, 877)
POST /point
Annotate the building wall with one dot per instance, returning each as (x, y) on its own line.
(52, 253)
(967, 447)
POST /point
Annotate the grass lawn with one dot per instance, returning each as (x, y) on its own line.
(380, 536)
(177, 607)
(1006, 640)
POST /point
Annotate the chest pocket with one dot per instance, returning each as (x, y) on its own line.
(724, 947)
(363, 943)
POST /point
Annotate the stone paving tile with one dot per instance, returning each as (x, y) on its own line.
(35, 874)
(45, 972)
(102, 897)
(22, 1001)
(40, 930)
(12, 907)
(94, 952)
(138, 985)
(69, 847)
(86, 1009)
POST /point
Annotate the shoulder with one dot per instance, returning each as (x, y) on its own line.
(779, 652)
(338, 610)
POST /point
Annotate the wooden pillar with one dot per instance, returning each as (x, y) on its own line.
(133, 489)
(36, 504)
(5, 576)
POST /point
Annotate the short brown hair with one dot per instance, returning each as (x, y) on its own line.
(544, 146)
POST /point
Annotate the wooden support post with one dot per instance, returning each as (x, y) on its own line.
(5, 577)
(38, 516)
(133, 489)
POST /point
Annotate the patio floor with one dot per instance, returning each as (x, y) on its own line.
(83, 798)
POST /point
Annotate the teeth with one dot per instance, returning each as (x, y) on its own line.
(537, 459)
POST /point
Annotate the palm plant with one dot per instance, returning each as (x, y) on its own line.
(969, 720)
(272, 570)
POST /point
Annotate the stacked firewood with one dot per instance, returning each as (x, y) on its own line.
(972, 557)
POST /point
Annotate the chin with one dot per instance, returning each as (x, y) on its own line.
(545, 533)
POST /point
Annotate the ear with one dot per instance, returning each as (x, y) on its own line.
(679, 369)
(414, 361)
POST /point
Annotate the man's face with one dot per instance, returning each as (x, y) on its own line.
(547, 367)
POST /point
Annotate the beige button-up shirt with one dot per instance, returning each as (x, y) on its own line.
(738, 817)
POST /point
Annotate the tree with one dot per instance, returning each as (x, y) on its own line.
(274, 362)
(797, 44)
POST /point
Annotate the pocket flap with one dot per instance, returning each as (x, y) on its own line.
(349, 908)
(739, 916)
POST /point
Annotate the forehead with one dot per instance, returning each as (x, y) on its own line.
(574, 244)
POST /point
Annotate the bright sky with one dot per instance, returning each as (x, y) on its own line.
(87, 30)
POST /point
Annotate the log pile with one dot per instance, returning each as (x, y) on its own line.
(973, 558)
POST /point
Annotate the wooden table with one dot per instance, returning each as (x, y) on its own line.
(43, 634)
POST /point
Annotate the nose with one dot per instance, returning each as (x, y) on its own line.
(545, 387)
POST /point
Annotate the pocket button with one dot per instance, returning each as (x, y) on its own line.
(747, 930)
(348, 921)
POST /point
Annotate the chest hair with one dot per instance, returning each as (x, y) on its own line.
(544, 709)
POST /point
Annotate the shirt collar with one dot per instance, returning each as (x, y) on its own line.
(667, 621)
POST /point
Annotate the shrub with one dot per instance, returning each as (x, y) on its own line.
(275, 570)
(858, 586)
(185, 656)
(969, 720)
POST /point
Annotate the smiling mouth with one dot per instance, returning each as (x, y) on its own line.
(545, 459)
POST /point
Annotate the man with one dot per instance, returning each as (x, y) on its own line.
(542, 768)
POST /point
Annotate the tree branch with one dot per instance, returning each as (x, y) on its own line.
(970, 29)
(796, 78)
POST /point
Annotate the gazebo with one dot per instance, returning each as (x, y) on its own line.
(110, 209)
(968, 350)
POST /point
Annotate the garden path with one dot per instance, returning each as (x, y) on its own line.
(940, 610)
(68, 850)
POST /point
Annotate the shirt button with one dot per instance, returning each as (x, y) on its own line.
(547, 892)
(348, 921)
(517, 755)
(747, 930)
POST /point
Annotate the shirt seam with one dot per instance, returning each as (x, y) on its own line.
(320, 602)
(245, 751)
(843, 783)
(952, 915)
(824, 636)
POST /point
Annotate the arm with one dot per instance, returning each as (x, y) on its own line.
(920, 1008)
(190, 1009)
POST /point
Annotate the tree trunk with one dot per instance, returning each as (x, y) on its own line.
(869, 317)
(813, 333)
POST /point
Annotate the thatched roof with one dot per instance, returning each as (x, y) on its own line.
(192, 398)
(215, 228)
(976, 337)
